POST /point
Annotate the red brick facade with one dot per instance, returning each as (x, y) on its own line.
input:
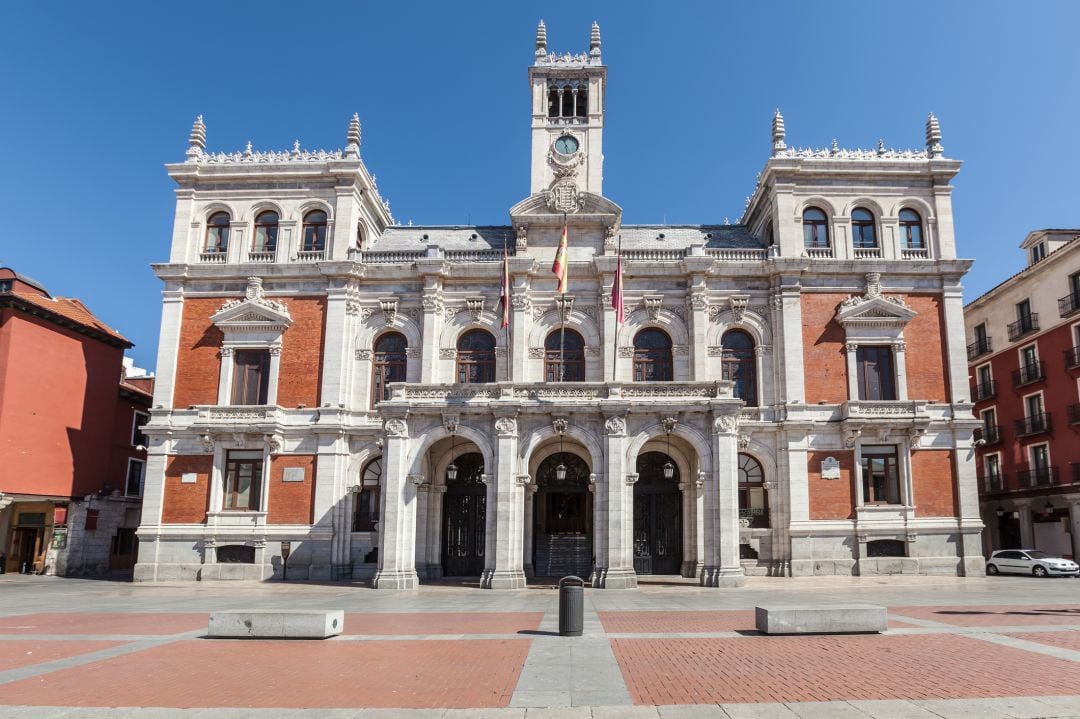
(823, 349)
(187, 503)
(291, 502)
(831, 498)
(933, 480)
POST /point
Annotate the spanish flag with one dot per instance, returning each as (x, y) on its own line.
(561, 264)
(617, 289)
(504, 295)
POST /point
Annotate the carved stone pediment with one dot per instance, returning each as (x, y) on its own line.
(879, 311)
(253, 313)
(538, 209)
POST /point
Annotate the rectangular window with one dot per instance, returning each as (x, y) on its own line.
(1040, 458)
(1038, 252)
(133, 483)
(992, 467)
(137, 437)
(243, 481)
(1023, 311)
(876, 378)
(251, 376)
(984, 375)
(880, 474)
(1033, 405)
(1030, 356)
(980, 333)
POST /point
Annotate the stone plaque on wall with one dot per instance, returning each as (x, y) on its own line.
(292, 474)
(189, 478)
(830, 468)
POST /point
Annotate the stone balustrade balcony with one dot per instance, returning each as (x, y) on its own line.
(560, 393)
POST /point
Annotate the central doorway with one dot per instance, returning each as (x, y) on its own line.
(464, 515)
(657, 515)
(562, 518)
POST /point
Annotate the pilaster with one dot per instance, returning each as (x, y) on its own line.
(432, 303)
(505, 514)
(614, 514)
(397, 526)
(172, 312)
(336, 345)
(721, 506)
(331, 466)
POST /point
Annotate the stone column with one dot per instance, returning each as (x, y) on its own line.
(787, 315)
(699, 326)
(505, 514)
(520, 324)
(397, 526)
(609, 332)
(722, 566)
(614, 514)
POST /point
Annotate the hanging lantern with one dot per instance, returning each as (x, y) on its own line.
(451, 472)
(560, 472)
(669, 469)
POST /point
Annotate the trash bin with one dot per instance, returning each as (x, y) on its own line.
(571, 606)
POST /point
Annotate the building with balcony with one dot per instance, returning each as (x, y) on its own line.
(786, 395)
(71, 412)
(1026, 386)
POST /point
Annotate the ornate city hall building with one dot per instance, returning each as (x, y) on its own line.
(787, 395)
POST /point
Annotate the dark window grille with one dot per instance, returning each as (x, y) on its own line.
(979, 347)
(476, 357)
(1028, 373)
(990, 433)
(1072, 357)
(1038, 477)
(1035, 424)
(886, 548)
(1026, 324)
(983, 390)
(564, 357)
(652, 357)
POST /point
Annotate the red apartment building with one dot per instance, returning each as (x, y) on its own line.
(1024, 360)
(71, 445)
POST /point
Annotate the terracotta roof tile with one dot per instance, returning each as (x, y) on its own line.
(71, 309)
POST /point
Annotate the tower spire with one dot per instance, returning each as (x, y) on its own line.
(778, 133)
(594, 40)
(352, 137)
(541, 40)
(933, 137)
(197, 139)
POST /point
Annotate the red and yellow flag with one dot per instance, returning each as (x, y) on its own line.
(561, 264)
(617, 289)
(504, 295)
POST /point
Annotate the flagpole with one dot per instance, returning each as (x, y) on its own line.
(562, 310)
(506, 312)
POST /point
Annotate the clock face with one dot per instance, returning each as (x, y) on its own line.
(566, 145)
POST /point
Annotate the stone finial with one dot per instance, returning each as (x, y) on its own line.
(778, 133)
(933, 137)
(594, 40)
(352, 137)
(197, 139)
(541, 40)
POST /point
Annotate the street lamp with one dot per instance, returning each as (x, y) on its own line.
(451, 469)
(669, 466)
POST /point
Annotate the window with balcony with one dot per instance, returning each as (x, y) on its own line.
(1040, 473)
(653, 356)
(1036, 420)
(877, 379)
(564, 357)
(992, 472)
(476, 357)
(389, 363)
(815, 228)
(863, 232)
(990, 432)
(740, 365)
(1070, 303)
(138, 421)
(984, 384)
(243, 481)
(1031, 368)
(366, 510)
(251, 376)
(753, 499)
(217, 233)
(1072, 355)
(313, 235)
(1026, 321)
(134, 480)
(981, 345)
(266, 232)
(880, 474)
(911, 234)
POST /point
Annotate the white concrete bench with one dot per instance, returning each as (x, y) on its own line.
(277, 625)
(827, 619)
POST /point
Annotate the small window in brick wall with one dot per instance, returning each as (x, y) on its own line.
(886, 548)
(91, 520)
(236, 554)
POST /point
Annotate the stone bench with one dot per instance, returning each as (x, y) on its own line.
(277, 625)
(827, 619)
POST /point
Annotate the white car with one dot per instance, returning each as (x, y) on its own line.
(1030, 561)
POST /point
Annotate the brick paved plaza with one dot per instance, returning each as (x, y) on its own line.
(993, 647)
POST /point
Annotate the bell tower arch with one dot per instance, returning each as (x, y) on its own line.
(567, 116)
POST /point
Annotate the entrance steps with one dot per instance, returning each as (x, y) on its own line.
(559, 555)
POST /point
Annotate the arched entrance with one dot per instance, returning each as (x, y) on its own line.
(657, 515)
(562, 517)
(463, 517)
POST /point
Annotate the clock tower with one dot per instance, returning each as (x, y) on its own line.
(567, 120)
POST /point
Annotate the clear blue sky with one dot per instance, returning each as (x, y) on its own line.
(97, 96)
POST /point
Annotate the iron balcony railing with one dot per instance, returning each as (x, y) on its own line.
(978, 348)
(1028, 373)
(1035, 424)
(1073, 411)
(989, 433)
(1025, 325)
(983, 390)
(1069, 304)
(1038, 477)
(994, 482)
(1072, 357)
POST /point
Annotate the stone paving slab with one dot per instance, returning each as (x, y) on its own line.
(100, 623)
(19, 653)
(431, 623)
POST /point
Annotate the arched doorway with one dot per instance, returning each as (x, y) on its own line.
(562, 517)
(657, 515)
(464, 509)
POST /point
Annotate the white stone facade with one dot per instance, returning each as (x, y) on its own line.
(695, 283)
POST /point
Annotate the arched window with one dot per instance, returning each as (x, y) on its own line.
(553, 102)
(476, 357)
(360, 237)
(564, 357)
(581, 98)
(366, 511)
(389, 364)
(911, 229)
(740, 365)
(652, 356)
(815, 226)
(753, 501)
(314, 232)
(217, 232)
(863, 234)
(266, 227)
